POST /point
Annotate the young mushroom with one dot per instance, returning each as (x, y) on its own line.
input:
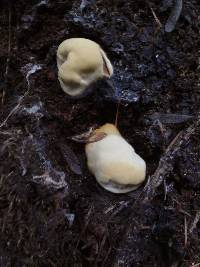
(112, 160)
(81, 62)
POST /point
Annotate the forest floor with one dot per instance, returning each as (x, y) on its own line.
(52, 211)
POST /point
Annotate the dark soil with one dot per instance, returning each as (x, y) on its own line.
(53, 213)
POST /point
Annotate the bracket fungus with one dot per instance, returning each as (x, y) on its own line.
(112, 160)
(81, 62)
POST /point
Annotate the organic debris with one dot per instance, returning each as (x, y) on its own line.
(174, 16)
(53, 213)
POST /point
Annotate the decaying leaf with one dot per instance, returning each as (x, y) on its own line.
(174, 16)
(170, 118)
(89, 136)
(71, 158)
(82, 138)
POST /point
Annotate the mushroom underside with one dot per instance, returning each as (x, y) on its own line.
(118, 188)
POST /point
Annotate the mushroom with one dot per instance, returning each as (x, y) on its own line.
(81, 62)
(112, 160)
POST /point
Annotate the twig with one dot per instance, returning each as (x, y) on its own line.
(174, 141)
(14, 110)
(165, 165)
(6, 133)
(109, 209)
(156, 18)
(85, 226)
(117, 113)
(165, 190)
(196, 220)
(8, 57)
(185, 212)
(123, 204)
(100, 249)
(185, 231)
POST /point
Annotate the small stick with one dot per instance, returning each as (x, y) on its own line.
(15, 109)
(117, 113)
(88, 218)
(156, 18)
(8, 57)
(196, 220)
(165, 165)
(186, 231)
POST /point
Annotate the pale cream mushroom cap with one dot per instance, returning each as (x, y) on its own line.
(114, 162)
(80, 62)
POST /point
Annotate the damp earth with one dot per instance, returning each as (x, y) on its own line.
(53, 213)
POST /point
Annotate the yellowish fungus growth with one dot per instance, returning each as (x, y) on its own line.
(81, 62)
(113, 161)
